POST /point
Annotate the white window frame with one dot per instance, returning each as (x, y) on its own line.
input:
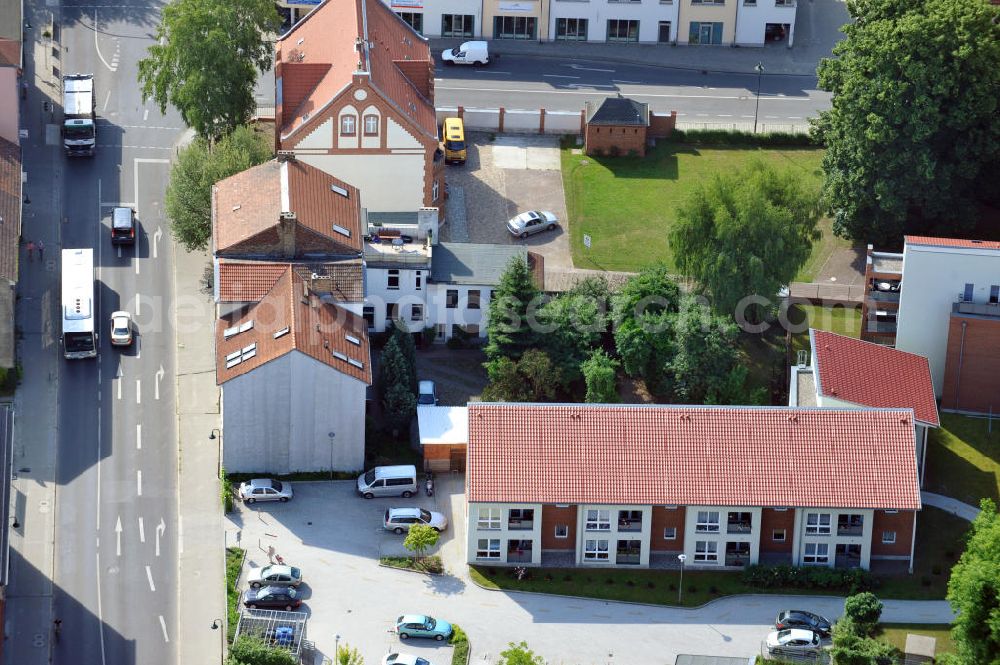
(371, 125)
(820, 554)
(821, 526)
(348, 125)
(669, 533)
(705, 522)
(598, 519)
(488, 552)
(488, 519)
(561, 531)
(435, 190)
(774, 535)
(596, 550)
(888, 537)
(706, 551)
(416, 312)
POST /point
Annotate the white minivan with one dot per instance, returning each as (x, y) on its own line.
(467, 53)
(388, 481)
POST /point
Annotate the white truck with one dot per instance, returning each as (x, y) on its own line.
(79, 129)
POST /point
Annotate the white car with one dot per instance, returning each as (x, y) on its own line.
(274, 575)
(475, 53)
(121, 329)
(794, 641)
(426, 395)
(399, 520)
(532, 222)
(404, 659)
(265, 489)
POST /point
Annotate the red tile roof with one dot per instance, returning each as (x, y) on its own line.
(873, 375)
(10, 208)
(952, 242)
(248, 208)
(327, 37)
(692, 455)
(290, 318)
(249, 281)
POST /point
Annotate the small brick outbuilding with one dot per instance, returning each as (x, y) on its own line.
(620, 125)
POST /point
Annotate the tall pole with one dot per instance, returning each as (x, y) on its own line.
(680, 587)
(759, 67)
(331, 435)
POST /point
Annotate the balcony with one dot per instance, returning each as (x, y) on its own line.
(629, 521)
(628, 552)
(990, 309)
(519, 551)
(520, 524)
(853, 530)
(739, 527)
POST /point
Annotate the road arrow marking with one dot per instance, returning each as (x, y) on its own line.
(142, 532)
(160, 529)
(589, 69)
(118, 536)
(156, 240)
(159, 376)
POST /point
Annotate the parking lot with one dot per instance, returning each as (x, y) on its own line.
(500, 179)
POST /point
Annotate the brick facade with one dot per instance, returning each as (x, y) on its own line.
(664, 518)
(553, 515)
(902, 524)
(772, 520)
(972, 364)
(611, 139)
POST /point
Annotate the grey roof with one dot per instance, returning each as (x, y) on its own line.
(618, 111)
(472, 263)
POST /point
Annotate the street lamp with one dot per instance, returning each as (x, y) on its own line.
(336, 648)
(216, 625)
(680, 587)
(213, 437)
(759, 68)
(331, 435)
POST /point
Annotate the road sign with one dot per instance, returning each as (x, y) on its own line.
(586, 241)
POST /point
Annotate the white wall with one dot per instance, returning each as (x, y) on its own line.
(277, 418)
(649, 13)
(439, 313)
(434, 9)
(503, 533)
(752, 21)
(612, 535)
(379, 295)
(691, 535)
(933, 279)
(801, 538)
(372, 173)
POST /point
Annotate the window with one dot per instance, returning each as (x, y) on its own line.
(708, 522)
(816, 553)
(521, 518)
(368, 312)
(419, 280)
(967, 293)
(451, 299)
(778, 535)
(435, 190)
(630, 520)
(514, 27)
(474, 299)
(416, 312)
(995, 294)
(458, 25)
(393, 279)
(571, 29)
(348, 125)
(371, 125)
(705, 33)
(392, 311)
(562, 531)
(739, 522)
(818, 523)
(623, 31)
(850, 525)
(488, 548)
(663, 34)
(598, 520)
(489, 518)
(628, 551)
(888, 537)
(669, 533)
(706, 551)
(413, 19)
(595, 550)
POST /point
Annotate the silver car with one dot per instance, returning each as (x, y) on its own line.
(265, 489)
(274, 575)
(794, 642)
(532, 222)
(399, 520)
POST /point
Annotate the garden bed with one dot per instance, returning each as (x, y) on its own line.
(430, 565)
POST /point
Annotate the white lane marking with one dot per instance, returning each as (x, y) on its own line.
(621, 81)
(136, 266)
(117, 204)
(138, 347)
(180, 533)
(108, 122)
(100, 608)
(559, 76)
(107, 99)
(156, 241)
(725, 115)
(97, 46)
(142, 531)
(138, 391)
(159, 377)
(97, 506)
(145, 115)
(119, 251)
(163, 626)
(491, 71)
(138, 299)
(149, 576)
(161, 528)
(138, 481)
(547, 91)
(119, 388)
(118, 536)
(588, 69)
(138, 437)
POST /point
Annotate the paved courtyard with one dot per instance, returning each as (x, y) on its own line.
(336, 537)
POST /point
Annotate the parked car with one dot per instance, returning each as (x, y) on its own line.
(121, 328)
(404, 659)
(793, 642)
(467, 53)
(804, 620)
(532, 222)
(281, 597)
(265, 489)
(419, 625)
(123, 226)
(401, 519)
(399, 480)
(274, 575)
(425, 394)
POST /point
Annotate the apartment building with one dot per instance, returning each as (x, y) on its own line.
(638, 485)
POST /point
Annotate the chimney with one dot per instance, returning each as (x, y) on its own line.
(286, 234)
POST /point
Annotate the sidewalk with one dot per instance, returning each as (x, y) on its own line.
(201, 565)
(953, 506)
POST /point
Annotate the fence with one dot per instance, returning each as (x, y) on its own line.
(515, 121)
(762, 127)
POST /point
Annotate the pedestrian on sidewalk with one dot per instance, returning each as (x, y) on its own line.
(41, 250)
(24, 90)
(31, 251)
(270, 553)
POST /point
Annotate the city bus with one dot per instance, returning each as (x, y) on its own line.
(79, 335)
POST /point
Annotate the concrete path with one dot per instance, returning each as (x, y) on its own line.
(953, 506)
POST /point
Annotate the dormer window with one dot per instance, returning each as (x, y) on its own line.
(371, 125)
(348, 125)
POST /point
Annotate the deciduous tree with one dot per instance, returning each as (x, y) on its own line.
(912, 133)
(974, 592)
(204, 61)
(252, 650)
(520, 654)
(864, 610)
(600, 372)
(533, 378)
(420, 539)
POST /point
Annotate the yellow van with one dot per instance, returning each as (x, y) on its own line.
(454, 141)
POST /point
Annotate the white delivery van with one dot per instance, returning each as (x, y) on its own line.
(388, 481)
(467, 53)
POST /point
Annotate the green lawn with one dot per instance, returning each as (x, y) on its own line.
(895, 634)
(234, 562)
(963, 459)
(841, 319)
(628, 204)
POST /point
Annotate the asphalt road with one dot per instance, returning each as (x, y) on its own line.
(116, 534)
(525, 82)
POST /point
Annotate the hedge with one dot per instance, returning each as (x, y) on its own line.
(733, 137)
(851, 580)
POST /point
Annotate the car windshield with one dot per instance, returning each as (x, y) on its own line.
(430, 624)
(454, 145)
(425, 515)
(296, 573)
(370, 477)
(76, 132)
(421, 661)
(784, 633)
(120, 329)
(425, 398)
(455, 51)
(276, 485)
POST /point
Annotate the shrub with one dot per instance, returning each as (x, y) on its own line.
(614, 151)
(864, 610)
(936, 569)
(567, 578)
(252, 649)
(650, 585)
(733, 137)
(227, 492)
(633, 152)
(460, 643)
(851, 580)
